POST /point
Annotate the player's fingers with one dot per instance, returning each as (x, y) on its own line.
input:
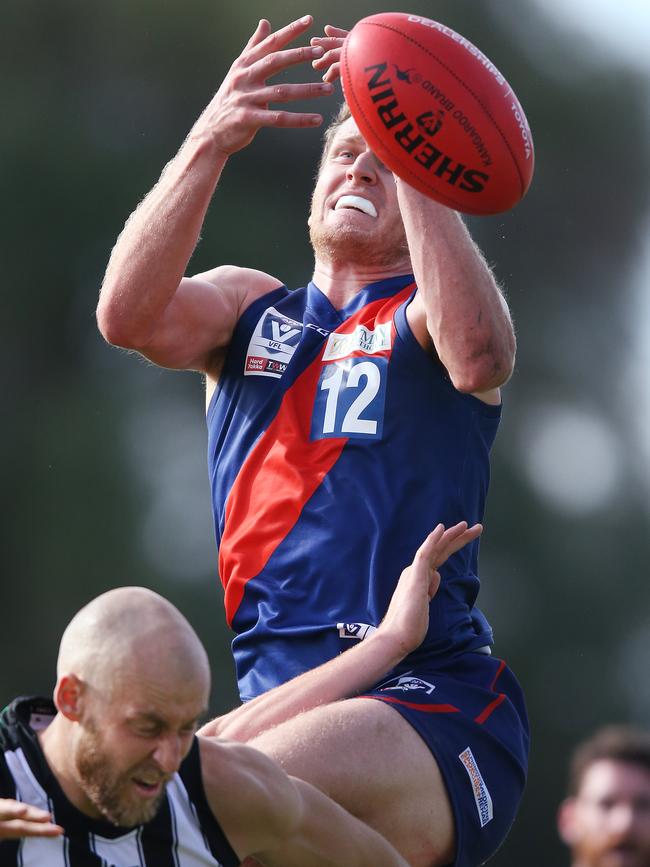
(442, 543)
(461, 537)
(261, 32)
(289, 92)
(10, 809)
(273, 63)
(288, 119)
(279, 38)
(453, 532)
(330, 30)
(333, 73)
(329, 58)
(327, 43)
(35, 814)
(17, 828)
(429, 547)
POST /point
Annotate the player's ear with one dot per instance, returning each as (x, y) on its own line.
(68, 696)
(566, 821)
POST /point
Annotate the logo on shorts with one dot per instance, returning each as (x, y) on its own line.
(479, 789)
(409, 683)
(355, 630)
(272, 344)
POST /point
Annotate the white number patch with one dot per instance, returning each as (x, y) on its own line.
(350, 399)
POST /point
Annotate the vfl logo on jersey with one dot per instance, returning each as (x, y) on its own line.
(355, 630)
(362, 341)
(408, 683)
(479, 789)
(272, 344)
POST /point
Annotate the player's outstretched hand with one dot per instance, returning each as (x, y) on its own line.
(22, 820)
(241, 105)
(331, 44)
(407, 617)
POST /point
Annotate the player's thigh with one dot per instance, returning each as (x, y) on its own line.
(366, 756)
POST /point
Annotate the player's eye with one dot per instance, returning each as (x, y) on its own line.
(146, 730)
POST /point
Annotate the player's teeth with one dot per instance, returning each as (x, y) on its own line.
(357, 202)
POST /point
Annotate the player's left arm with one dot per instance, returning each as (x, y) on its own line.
(459, 310)
(401, 631)
(282, 821)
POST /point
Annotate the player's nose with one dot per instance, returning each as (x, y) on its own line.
(169, 754)
(363, 169)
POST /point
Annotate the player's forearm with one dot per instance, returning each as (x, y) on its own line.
(330, 836)
(467, 316)
(346, 675)
(155, 246)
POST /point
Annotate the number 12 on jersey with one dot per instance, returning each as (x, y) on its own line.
(350, 399)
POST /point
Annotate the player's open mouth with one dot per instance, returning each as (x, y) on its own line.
(357, 203)
(148, 789)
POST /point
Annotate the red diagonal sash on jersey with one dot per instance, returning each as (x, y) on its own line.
(283, 470)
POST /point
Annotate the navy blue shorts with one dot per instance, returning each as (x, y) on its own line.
(470, 711)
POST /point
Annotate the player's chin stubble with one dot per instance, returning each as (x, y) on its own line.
(108, 791)
(363, 247)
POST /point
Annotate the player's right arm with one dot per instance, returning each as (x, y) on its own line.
(146, 303)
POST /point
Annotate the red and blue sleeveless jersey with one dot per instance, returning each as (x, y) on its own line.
(335, 445)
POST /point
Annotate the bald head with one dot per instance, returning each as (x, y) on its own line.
(131, 632)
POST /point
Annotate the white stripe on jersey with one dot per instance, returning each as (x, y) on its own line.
(34, 851)
(28, 788)
(190, 840)
(119, 850)
(189, 846)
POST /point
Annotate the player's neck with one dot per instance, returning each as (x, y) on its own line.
(340, 282)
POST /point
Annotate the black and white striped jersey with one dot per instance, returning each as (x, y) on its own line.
(184, 832)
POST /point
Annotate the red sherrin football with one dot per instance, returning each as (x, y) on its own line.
(437, 112)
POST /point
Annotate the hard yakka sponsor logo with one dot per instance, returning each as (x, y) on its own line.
(415, 137)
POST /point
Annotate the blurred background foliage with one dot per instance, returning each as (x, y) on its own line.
(103, 456)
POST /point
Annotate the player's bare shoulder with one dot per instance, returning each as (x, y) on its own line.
(244, 285)
(267, 805)
(237, 289)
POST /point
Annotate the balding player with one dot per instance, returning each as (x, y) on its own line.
(112, 773)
